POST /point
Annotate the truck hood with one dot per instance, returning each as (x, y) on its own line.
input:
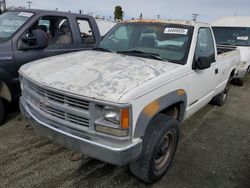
(99, 75)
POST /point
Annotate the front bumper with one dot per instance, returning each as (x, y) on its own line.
(114, 154)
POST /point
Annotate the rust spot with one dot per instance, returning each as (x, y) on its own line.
(183, 22)
(181, 92)
(151, 109)
(145, 21)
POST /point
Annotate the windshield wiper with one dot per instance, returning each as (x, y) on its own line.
(224, 43)
(102, 49)
(141, 53)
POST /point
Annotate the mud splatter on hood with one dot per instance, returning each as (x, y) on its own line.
(99, 75)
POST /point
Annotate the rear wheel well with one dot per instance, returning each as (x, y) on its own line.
(232, 74)
(173, 111)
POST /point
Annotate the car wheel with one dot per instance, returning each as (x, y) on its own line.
(221, 98)
(238, 81)
(2, 112)
(159, 146)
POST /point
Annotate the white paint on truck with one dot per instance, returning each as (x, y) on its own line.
(116, 85)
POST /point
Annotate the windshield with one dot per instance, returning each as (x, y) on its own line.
(169, 42)
(235, 36)
(10, 22)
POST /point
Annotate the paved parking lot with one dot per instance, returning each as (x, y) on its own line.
(214, 151)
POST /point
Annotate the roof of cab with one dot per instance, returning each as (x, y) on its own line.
(234, 21)
(171, 21)
(41, 11)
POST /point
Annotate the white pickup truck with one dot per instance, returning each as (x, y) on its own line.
(231, 32)
(123, 102)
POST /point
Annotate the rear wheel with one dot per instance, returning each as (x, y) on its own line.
(2, 112)
(221, 98)
(240, 81)
(159, 145)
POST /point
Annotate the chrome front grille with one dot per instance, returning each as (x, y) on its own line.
(66, 100)
(57, 105)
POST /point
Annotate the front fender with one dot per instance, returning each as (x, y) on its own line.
(155, 107)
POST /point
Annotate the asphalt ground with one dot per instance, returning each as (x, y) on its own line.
(214, 151)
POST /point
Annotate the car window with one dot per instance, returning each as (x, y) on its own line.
(86, 31)
(10, 22)
(205, 44)
(235, 36)
(170, 42)
(57, 29)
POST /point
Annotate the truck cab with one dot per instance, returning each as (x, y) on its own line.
(28, 35)
(234, 32)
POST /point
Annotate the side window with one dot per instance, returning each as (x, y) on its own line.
(57, 29)
(86, 31)
(205, 44)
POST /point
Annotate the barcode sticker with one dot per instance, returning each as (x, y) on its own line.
(25, 14)
(180, 31)
(242, 38)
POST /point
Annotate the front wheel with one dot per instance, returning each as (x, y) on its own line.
(2, 112)
(159, 146)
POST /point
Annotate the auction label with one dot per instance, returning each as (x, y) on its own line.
(180, 31)
(242, 38)
(25, 14)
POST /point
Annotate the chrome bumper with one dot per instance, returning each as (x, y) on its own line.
(115, 154)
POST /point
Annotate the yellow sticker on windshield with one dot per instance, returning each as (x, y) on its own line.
(179, 31)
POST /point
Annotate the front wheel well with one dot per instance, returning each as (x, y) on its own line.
(174, 111)
(4, 91)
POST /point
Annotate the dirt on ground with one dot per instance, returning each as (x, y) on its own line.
(214, 151)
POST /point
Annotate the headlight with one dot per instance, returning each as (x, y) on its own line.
(111, 114)
(242, 64)
(114, 121)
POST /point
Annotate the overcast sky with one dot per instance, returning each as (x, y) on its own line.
(179, 9)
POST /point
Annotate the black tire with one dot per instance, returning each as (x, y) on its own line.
(221, 98)
(240, 81)
(2, 112)
(237, 81)
(159, 146)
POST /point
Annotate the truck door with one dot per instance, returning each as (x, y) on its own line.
(204, 81)
(60, 40)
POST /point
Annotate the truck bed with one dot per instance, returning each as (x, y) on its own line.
(224, 49)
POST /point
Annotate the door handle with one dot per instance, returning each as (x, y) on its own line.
(216, 71)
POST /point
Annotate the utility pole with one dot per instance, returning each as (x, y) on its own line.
(29, 3)
(194, 16)
(236, 10)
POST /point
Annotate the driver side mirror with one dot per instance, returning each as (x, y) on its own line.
(38, 40)
(202, 63)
